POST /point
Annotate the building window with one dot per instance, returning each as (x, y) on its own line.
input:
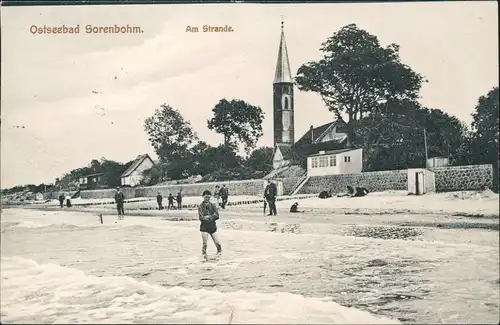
(314, 162)
(333, 161)
(286, 102)
(347, 159)
(324, 161)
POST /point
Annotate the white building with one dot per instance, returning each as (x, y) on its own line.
(436, 162)
(335, 162)
(133, 175)
(331, 135)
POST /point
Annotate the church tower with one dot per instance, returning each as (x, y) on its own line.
(283, 97)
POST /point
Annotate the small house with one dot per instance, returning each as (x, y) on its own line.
(133, 175)
(335, 162)
(436, 162)
(329, 136)
(92, 181)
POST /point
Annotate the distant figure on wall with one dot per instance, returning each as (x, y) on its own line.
(120, 200)
(61, 200)
(159, 200)
(171, 202)
(68, 201)
(179, 201)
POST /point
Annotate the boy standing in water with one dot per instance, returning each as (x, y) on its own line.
(208, 214)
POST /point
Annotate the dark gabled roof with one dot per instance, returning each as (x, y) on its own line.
(286, 150)
(311, 137)
(334, 152)
(313, 148)
(92, 175)
(137, 162)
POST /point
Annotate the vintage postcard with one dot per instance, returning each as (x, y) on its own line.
(250, 163)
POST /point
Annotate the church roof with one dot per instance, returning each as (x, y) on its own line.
(286, 150)
(283, 73)
(311, 136)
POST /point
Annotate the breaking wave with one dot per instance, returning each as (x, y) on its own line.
(49, 293)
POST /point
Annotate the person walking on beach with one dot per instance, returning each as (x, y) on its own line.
(179, 201)
(208, 215)
(270, 194)
(120, 199)
(216, 193)
(159, 200)
(61, 200)
(224, 194)
(170, 202)
(68, 201)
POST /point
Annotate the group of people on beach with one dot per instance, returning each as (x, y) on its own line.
(170, 198)
(351, 192)
(208, 212)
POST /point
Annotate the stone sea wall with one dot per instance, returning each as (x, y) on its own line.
(372, 181)
(245, 187)
(463, 178)
(454, 178)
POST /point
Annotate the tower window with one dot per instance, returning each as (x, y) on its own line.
(286, 103)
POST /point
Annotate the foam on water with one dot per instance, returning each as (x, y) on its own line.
(48, 293)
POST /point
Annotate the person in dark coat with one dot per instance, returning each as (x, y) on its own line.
(61, 200)
(270, 194)
(179, 201)
(120, 200)
(171, 202)
(159, 200)
(224, 195)
(208, 215)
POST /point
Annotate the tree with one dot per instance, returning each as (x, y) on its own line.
(169, 134)
(356, 74)
(392, 136)
(237, 120)
(152, 176)
(260, 159)
(484, 143)
(485, 126)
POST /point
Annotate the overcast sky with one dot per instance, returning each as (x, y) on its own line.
(52, 122)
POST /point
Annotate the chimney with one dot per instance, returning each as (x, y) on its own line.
(312, 133)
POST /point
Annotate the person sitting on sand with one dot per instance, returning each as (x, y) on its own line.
(350, 192)
(360, 191)
(324, 195)
(295, 208)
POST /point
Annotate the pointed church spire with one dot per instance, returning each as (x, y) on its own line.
(283, 73)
